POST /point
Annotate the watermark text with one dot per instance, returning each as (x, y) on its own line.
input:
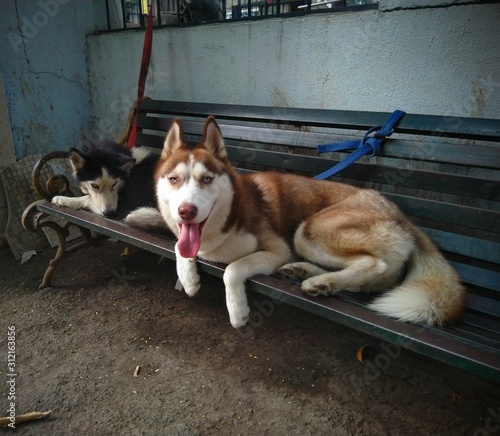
(11, 375)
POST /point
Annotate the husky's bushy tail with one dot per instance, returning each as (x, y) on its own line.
(431, 293)
(140, 154)
(146, 218)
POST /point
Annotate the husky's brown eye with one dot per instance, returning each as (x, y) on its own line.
(95, 186)
(114, 186)
(173, 180)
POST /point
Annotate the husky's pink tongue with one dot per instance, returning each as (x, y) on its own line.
(189, 241)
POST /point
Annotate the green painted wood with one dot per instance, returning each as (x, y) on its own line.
(380, 174)
(456, 214)
(483, 277)
(474, 248)
(457, 127)
(436, 150)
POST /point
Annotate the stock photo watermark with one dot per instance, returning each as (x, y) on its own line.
(362, 38)
(264, 309)
(30, 27)
(11, 375)
(120, 106)
(491, 424)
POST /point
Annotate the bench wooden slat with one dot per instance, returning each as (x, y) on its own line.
(458, 215)
(485, 157)
(478, 276)
(417, 179)
(148, 140)
(457, 127)
(158, 244)
(478, 328)
(409, 178)
(484, 305)
(475, 248)
(450, 213)
(486, 333)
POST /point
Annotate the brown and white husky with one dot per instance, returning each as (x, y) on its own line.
(346, 238)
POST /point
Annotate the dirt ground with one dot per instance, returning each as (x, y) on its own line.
(78, 343)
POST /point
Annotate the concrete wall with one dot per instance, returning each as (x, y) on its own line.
(43, 62)
(65, 85)
(430, 60)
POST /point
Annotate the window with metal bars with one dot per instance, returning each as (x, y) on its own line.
(127, 14)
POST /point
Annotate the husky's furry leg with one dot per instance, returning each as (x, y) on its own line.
(187, 273)
(390, 254)
(82, 202)
(237, 272)
(358, 272)
(356, 257)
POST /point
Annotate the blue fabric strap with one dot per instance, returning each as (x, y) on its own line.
(369, 145)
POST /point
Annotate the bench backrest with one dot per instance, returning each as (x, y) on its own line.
(444, 172)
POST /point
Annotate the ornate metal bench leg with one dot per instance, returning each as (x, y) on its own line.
(62, 234)
(33, 220)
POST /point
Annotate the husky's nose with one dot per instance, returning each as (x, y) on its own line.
(187, 211)
(108, 212)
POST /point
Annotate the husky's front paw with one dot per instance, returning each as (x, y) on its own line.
(237, 306)
(192, 291)
(188, 276)
(236, 298)
(59, 200)
(192, 287)
(190, 283)
(238, 316)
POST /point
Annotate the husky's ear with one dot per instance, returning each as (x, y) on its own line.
(174, 139)
(76, 159)
(212, 138)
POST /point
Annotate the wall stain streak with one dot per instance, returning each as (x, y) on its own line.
(479, 97)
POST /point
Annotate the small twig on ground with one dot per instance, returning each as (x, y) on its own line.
(137, 369)
(32, 416)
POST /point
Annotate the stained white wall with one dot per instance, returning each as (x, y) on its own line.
(430, 60)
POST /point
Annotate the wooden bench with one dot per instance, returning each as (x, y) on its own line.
(444, 172)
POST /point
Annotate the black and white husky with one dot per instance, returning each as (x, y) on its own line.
(113, 179)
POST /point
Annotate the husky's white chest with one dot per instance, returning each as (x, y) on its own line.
(228, 247)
